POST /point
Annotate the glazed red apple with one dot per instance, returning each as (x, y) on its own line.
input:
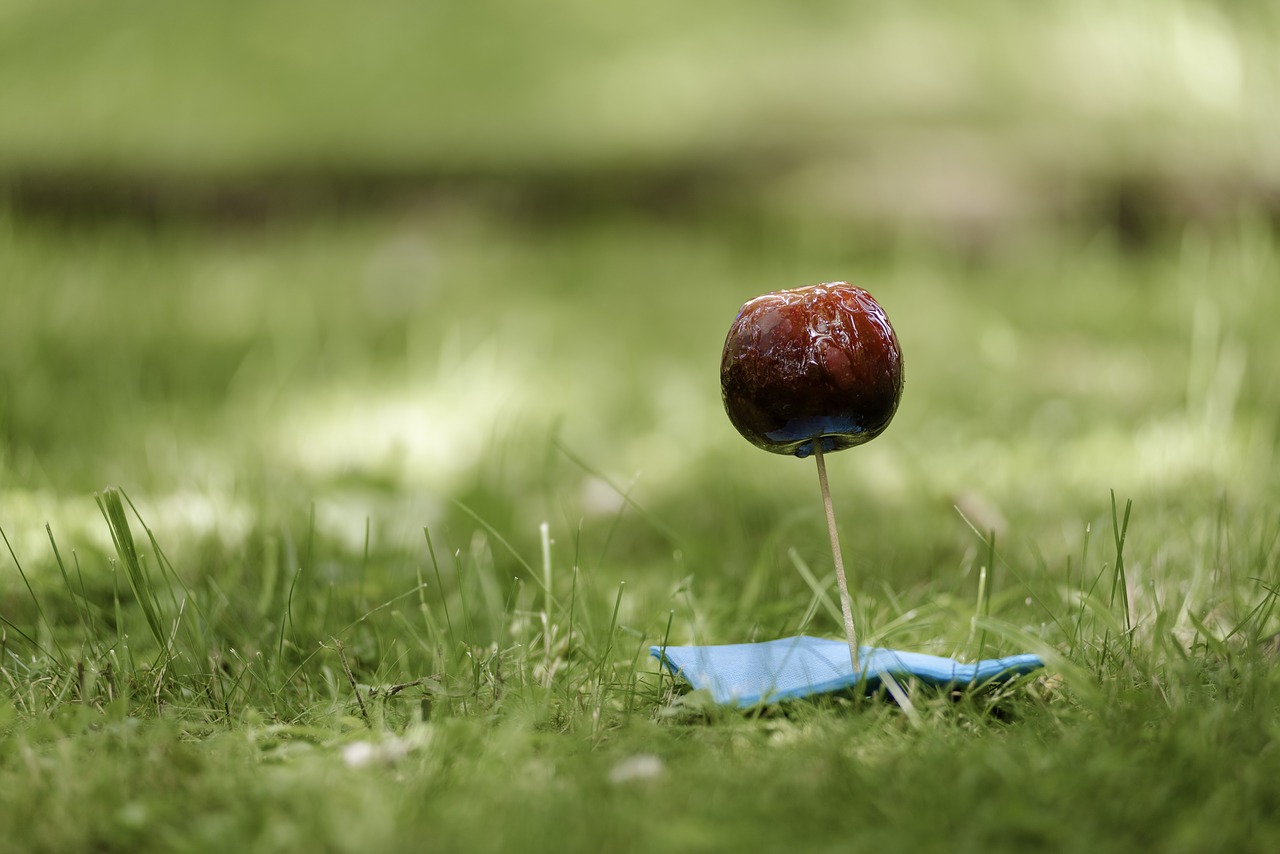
(809, 362)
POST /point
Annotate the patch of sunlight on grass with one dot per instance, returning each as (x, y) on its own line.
(1162, 455)
(27, 511)
(431, 432)
(184, 515)
(348, 515)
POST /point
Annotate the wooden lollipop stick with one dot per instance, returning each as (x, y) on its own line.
(846, 605)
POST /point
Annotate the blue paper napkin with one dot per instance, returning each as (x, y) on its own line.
(747, 674)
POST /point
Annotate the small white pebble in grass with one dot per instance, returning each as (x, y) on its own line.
(358, 754)
(642, 766)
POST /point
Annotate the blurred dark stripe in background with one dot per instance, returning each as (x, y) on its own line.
(964, 122)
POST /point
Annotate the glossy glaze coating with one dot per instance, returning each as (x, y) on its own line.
(809, 362)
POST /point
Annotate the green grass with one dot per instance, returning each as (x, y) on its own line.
(323, 614)
(360, 427)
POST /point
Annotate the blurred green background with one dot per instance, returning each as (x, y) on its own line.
(974, 120)
(305, 278)
(373, 258)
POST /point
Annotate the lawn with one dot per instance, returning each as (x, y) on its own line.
(352, 457)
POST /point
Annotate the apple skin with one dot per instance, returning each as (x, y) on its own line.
(820, 361)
